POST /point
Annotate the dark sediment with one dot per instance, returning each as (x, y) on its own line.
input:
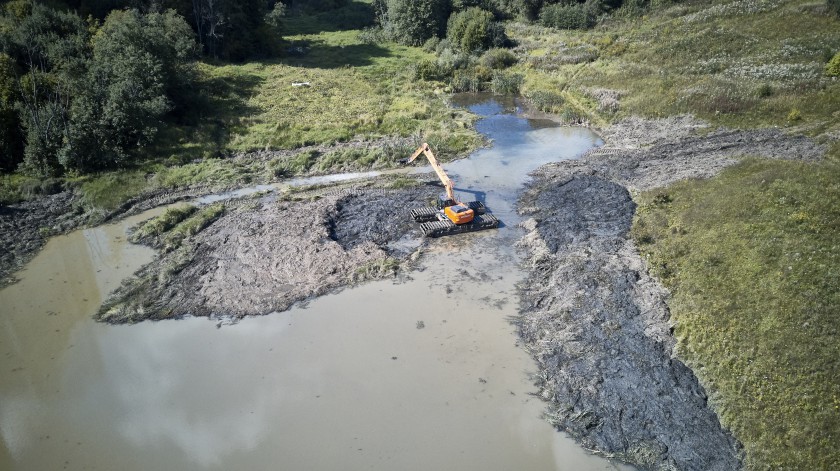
(596, 323)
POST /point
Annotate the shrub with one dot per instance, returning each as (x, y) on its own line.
(466, 81)
(454, 60)
(794, 115)
(373, 35)
(430, 69)
(576, 16)
(764, 90)
(431, 44)
(474, 30)
(482, 73)
(833, 67)
(497, 58)
(506, 83)
(546, 101)
(632, 8)
(413, 22)
(834, 6)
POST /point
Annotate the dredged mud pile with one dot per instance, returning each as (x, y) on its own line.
(597, 324)
(26, 226)
(265, 254)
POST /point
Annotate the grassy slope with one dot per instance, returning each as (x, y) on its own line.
(742, 63)
(751, 257)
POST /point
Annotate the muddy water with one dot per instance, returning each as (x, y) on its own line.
(421, 373)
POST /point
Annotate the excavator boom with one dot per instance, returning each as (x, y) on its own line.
(455, 217)
(444, 178)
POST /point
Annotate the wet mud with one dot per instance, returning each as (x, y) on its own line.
(25, 228)
(594, 320)
(265, 254)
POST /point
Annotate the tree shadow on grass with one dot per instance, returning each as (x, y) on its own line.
(316, 54)
(354, 15)
(220, 104)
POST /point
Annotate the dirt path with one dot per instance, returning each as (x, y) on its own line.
(597, 324)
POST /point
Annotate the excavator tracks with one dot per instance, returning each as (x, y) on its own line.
(447, 227)
(430, 213)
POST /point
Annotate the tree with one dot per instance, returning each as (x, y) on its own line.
(11, 138)
(50, 53)
(142, 67)
(413, 22)
(234, 29)
(474, 30)
(573, 15)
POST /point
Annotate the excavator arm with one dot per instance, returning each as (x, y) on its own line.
(444, 178)
(452, 217)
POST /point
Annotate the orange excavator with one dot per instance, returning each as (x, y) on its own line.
(450, 216)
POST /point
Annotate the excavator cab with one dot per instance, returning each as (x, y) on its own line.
(459, 213)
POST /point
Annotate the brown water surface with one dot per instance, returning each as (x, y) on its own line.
(418, 373)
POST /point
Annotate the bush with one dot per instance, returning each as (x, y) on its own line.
(474, 30)
(576, 16)
(834, 6)
(413, 22)
(832, 69)
(432, 44)
(631, 8)
(466, 81)
(497, 58)
(506, 83)
(430, 69)
(373, 35)
(764, 90)
(546, 101)
(454, 60)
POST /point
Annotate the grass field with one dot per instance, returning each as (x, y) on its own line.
(354, 90)
(743, 63)
(752, 259)
(330, 87)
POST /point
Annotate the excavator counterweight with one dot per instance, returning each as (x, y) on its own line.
(451, 216)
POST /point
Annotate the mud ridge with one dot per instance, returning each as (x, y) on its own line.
(596, 322)
(265, 254)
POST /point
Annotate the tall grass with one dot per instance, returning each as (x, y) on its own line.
(752, 261)
(714, 59)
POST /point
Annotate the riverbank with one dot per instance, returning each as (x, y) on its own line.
(594, 319)
(264, 253)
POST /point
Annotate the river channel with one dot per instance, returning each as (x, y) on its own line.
(419, 373)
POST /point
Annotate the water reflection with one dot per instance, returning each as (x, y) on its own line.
(349, 382)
